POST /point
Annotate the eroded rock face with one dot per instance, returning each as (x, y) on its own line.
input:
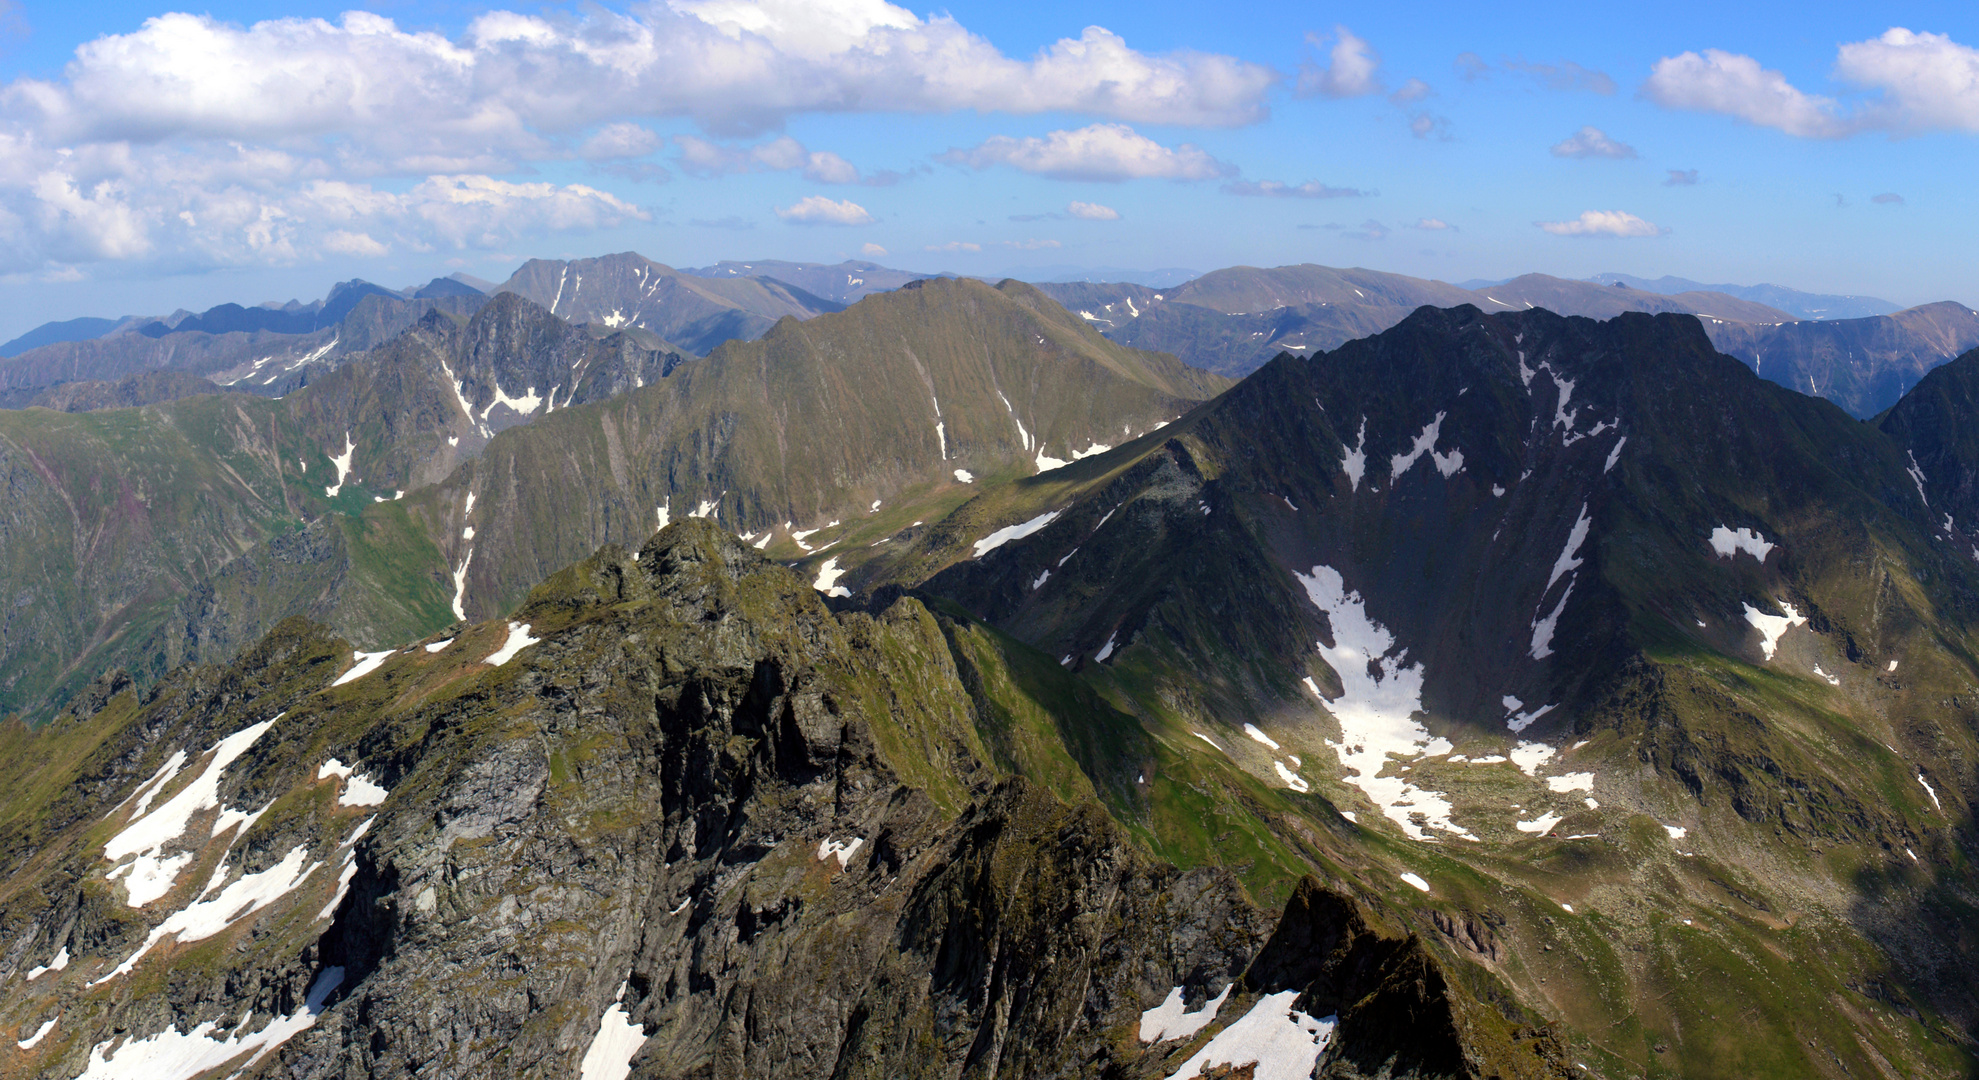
(680, 808)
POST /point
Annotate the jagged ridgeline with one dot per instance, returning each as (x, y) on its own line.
(1661, 672)
(674, 818)
(146, 538)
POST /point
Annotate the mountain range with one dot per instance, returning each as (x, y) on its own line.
(943, 687)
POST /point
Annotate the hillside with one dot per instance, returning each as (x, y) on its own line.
(843, 283)
(1677, 685)
(1233, 320)
(629, 290)
(1863, 365)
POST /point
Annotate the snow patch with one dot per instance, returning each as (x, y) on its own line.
(40, 1033)
(1014, 532)
(1425, 444)
(664, 511)
(342, 462)
(707, 507)
(1676, 832)
(1417, 881)
(965, 476)
(245, 896)
(1772, 627)
(525, 405)
(842, 851)
(1519, 721)
(1529, 756)
(1292, 780)
(1573, 781)
(827, 579)
(1615, 454)
(1917, 477)
(1931, 791)
(360, 790)
(150, 876)
(1728, 543)
(1105, 650)
(169, 1055)
(518, 640)
(1284, 1043)
(1831, 680)
(1541, 825)
(440, 645)
(1575, 538)
(1354, 462)
(61, 961)
(609, 1057)
(1169, 1020)
(1255, 733)
(1375, 710)
(460, 584)
(1039, 581)
(367, 662)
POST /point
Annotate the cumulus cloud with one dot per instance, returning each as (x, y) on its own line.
(700, 157)
(1096, 152)
(1681, 178)
(621, 140)
(1917, 82)
(1430, 224)
(1086, 211)
(871, 250)
(819, 210)
(1603, 223)
(1722, 82)
(1352, 68)
(345, 242)
(228, 123)
(1274, 189)
(1592, 142)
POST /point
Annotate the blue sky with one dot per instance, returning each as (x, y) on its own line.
(153, 157)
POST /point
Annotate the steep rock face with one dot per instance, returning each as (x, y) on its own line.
(1487, 580)
(900, 401)
(629, 290)
(1864, 365)
(122, 513)
(672, 796)
(1934, 425)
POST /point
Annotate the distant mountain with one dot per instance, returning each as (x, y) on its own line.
(1863, 365)
(1234, 320)
(263, 362)
(445, 286)
(144, 538)
(293, 319)
(694, 313)
(843, 282)
(1160, 278)
(1801, 305)
(55, 333)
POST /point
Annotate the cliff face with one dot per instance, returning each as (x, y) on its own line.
(677, 808)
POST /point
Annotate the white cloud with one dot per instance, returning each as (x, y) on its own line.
(621, 140)
(1351, 71)
(699, 157)
(1311, 189)
(1095, 152)
(955, 245)
(231, 122)
(1431, 224)
(871, 250)
(1592, 142)
(1735, 85)
(1929, 81)
(818, 210)
(345, 242)
(1603, 223)
(1086, 211)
